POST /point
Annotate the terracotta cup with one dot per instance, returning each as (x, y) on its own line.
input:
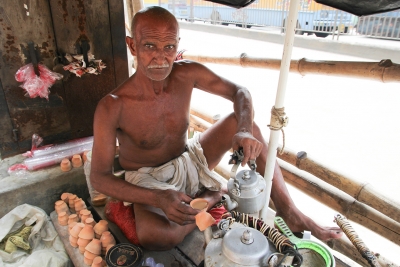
(73, 241)
(71, 201)
(79, 205)
(64, 197)
(91, 222)
(106, 239)
(72, 218)
(199, 204)
(85, 213)
(63, 218)
(82, 243)
(94, 247)
(65, 165)
(204, 220)
(61, 206)
(76, 230)
(87, 232)
(100, 227)
(70, 226)
(97, 262)
(76, 161)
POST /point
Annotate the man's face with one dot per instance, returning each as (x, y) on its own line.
(155, 47)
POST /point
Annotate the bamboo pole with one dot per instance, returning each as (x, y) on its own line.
(344, 246)
(384, 71)
(198, 124)
(362, 192)
(203, 113)
(342, 203)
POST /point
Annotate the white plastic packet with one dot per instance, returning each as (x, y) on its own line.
(47, 249)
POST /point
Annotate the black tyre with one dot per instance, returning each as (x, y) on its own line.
(321, 34)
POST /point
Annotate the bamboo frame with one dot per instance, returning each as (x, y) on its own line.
(343, 203)
(362, 192)
(330, 195)
(384, 71)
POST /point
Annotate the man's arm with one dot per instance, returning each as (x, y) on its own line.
(106, 123)
(242, 104)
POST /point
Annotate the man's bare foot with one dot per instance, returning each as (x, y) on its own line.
(298, 222)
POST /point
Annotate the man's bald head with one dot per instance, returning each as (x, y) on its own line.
(152, 14)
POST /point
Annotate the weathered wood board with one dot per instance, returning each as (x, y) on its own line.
(56, 28)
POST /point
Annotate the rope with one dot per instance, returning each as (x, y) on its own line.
(278, 121)
(344, 224)
(281, 242)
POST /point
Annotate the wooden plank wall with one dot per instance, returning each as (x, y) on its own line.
(57, 27)
(26, 116)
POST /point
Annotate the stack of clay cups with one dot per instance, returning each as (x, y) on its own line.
(76, 161)
(85, 214)
(100, 227)
(90, 221)
(63, 218)
(98, 262)
(71, 202)
(72, 218)
(85, 237)
(64, 197)
(79, 205)
(61, 206)
(106, 239)
(70, 226)
(92, 250)
(74, 234)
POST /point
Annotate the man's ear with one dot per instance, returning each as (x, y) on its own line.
(131, 45)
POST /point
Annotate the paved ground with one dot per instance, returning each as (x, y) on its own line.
(346, 123)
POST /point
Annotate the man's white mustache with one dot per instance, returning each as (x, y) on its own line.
(165, 65)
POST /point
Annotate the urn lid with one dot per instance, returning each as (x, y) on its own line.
(245, 246)
(124, 255)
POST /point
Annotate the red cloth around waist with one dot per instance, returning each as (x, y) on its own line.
(124, 218)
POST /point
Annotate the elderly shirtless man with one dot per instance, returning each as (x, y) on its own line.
(149, 114)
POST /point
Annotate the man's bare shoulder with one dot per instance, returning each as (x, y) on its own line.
(186, 63)
(190, 68)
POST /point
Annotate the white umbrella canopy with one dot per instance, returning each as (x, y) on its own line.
(356, 7)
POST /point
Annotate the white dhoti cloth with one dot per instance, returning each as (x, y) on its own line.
(187, 173)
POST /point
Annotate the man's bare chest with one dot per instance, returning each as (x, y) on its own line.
(149, 123)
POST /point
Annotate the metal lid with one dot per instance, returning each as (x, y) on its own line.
(245, 246)
(124, 255)
(247, 179)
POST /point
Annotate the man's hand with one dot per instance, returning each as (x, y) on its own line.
(173, 204)
(251, 146)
